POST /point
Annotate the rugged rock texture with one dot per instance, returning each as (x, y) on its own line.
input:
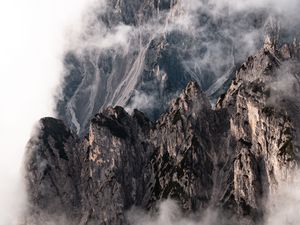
(229, 157)
(53, 172)
(168, 43)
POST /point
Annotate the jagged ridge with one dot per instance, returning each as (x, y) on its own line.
(229, 157)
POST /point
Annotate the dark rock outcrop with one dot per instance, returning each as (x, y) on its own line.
(53, 172)
(229, 157)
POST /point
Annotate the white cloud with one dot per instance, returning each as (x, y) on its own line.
(32, 40)
(169, 213)
(31, 49)
(284, 205)
(141, 101)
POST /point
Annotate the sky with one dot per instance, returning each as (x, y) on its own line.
(32, 40)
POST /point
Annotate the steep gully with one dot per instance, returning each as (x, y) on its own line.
(161, 55)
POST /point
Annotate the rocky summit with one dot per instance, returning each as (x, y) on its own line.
(229, 157)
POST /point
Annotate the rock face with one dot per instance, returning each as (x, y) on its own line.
(167, 44)
(53, 172)
(229, 157)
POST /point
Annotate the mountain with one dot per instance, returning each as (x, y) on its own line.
(228, 157)
(140, 54)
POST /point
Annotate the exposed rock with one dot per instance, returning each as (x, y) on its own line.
(161, 55)
(230, 157)
(53, 168)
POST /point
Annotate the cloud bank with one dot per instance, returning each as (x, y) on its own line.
(33, 42)
(283, 206)
(169, 213)
(31, 50)
(110, 53)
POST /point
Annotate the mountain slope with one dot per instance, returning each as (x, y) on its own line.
(229, 157)
(140, 54)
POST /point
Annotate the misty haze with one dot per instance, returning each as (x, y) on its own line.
(150, 112)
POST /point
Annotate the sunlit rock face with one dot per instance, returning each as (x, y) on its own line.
(229, 157)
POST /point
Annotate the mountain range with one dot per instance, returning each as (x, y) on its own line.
(154, 121)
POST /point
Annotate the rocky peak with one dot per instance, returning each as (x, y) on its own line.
(52, 151)
(272, 34)
(280, 40)
(229, 158)
(192, 95)
(190, 102)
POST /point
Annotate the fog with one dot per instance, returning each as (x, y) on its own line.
(33, 34)
(169, 213)
(283, 206)
(34, 37)
(215, 36)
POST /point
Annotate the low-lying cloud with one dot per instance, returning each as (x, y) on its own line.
(208, 38)
(31, 51)
(284, 204)
(33, 42)
(169, 213)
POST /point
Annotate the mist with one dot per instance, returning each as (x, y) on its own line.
(169, 213)
(32, 41)
(35, 36)
(283, 205)
(108, 60)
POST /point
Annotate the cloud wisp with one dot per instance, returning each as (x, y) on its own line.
(211, 38)
(169, 213)
(111, 53)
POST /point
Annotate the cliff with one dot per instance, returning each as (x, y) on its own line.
(141, 53)
(229, 157)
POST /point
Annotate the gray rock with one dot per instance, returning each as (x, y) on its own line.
(229, 157)
(159, 61)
